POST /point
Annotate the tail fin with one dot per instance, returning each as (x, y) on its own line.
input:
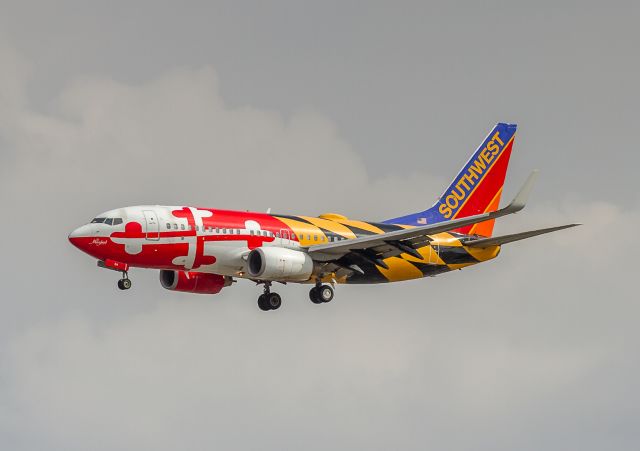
(476, 189)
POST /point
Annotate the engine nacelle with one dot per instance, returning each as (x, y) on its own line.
(193, 282)
(278, 263)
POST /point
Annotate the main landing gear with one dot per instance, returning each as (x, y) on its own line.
(321, 294)
(268, 300)
(125, 282)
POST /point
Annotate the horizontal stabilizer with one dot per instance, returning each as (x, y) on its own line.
(499, 240)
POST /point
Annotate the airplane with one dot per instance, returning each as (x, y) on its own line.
(203, 250)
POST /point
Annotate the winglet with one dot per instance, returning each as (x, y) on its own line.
(520, 200)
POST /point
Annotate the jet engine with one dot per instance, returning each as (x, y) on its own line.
(277, 263)
(193, 282)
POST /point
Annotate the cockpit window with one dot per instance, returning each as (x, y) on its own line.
(108, 221)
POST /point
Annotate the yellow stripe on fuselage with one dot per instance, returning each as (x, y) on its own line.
(361, 225)
(332, 226)
(307, 234)
(400, 269)
(483, 254)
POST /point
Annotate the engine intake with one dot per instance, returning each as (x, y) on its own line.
(277, 263)
(193, 282)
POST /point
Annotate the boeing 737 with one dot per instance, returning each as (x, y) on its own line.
(202, 250)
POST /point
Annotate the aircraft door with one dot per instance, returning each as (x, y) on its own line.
(434, 254)
(153, 228)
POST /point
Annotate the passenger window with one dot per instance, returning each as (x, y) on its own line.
(217, 229)
(293, 236)
(175, 227)
(181, 226)
(315, 237)
(309, 237)
(168, 226)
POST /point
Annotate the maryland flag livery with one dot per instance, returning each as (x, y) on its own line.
(202, 250)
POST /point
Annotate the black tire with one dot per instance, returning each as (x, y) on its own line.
(274, 301)
(126, 284)
(313, 295)
(325, 293)
(262, 303)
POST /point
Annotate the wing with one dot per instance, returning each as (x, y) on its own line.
(376, 248)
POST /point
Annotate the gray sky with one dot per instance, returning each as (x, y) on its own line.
(309, 108)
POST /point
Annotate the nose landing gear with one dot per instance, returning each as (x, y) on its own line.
(125, 282)
(268, 300)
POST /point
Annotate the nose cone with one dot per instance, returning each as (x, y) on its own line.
(79, 236)
(75, 234)
(74, 237)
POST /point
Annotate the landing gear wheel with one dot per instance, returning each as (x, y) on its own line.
(313, 295)
(274, 301)
(325, 293)
(269, 300)
(124, 284)
(262, 303)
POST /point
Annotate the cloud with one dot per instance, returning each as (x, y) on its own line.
(494, 357)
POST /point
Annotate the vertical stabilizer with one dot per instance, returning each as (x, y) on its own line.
(476, 189)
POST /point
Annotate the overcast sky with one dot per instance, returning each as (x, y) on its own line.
(310, 108)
